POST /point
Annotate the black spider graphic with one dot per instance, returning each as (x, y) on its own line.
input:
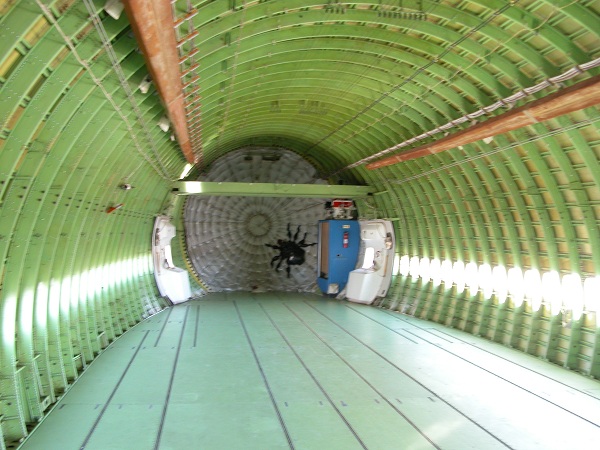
(290, 251)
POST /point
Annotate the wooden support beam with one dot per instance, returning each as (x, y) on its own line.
(153, 26)
(574, 98)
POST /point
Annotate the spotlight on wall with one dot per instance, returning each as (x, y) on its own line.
(572, 294)
(516, 286)
(164, 124)
(533, 288)
(114, 8)
(186, 170)
(471, 277)
(396, 267)
(413, 266)
(404, 265)
(424, 266)
(446, 269)
(551, 291)
(486, 281)
(435, 270)
(458, 276)
(145, 84)
(591, 295)
(500, 283)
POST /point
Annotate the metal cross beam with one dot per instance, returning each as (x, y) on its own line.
(270, 189)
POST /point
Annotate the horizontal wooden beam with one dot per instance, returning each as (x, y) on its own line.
(574, 98)
(270, 189)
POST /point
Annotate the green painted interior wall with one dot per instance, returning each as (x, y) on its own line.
(335, 82)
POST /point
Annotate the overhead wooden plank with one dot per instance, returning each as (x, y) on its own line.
(574, 98)
(153, 26)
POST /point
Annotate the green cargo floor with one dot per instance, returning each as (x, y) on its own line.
(283, 370)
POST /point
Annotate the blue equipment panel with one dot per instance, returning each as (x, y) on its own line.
(339, 242)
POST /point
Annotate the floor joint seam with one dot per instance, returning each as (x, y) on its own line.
(264, 377)
(394, 407)
(162, 329)
(168, 397)
(105, 407)
(412, 378)
(489, 372)
(391, 313)
(331, 402)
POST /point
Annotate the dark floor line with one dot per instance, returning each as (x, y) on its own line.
(430, 332)
(164, 326)
(383, 397)
(322, 389)
(398, 333)
(112, 394)
(423, 339)
(517, 364)
(395, 314)
(264, 378)
(411, 377)
(495, 374)
(197, 324)
(169, 389)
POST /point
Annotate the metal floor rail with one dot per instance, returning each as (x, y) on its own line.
(297, 371)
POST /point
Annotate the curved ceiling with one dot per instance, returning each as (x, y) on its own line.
(336, 82)
(350, 79)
